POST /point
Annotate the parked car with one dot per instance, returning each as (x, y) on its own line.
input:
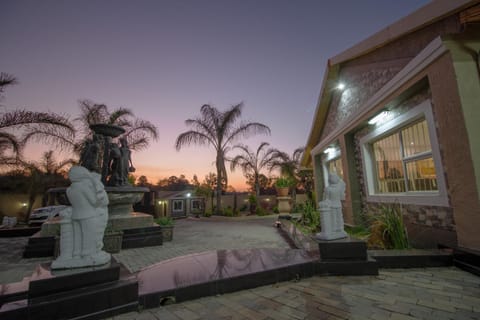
(40, 215)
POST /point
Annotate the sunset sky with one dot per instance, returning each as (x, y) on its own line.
(165, 59)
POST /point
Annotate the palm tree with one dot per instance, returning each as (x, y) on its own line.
(43, 175)
(137, 131)
(289, 166)
(219, 130)
(19, 127)
(253, 163)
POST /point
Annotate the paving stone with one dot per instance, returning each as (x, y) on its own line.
(399, 316)
(186, 314)
(435, 305)
(164, 314)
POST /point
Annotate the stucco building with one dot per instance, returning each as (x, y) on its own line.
(398, 117)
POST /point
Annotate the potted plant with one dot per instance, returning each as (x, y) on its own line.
(166, 224)
(283, 184)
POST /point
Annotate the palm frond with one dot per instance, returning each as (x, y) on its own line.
(247, 130)
(6, 79)
(119, 117)
(9, 141)
(192, 137)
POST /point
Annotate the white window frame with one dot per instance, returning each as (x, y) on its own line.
(431, 198)
(181, 201)
(192, 201)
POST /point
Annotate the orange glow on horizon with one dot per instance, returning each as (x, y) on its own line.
(235, 179)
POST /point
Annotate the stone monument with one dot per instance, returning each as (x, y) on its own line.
(83, 224)
(108, 164)
(331, 216)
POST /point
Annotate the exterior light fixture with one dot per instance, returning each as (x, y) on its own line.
(382, 116)
(189, 195)
(329, 150)
(341, 86)
(24, 204)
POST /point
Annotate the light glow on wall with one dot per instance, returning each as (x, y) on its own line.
(381, 117)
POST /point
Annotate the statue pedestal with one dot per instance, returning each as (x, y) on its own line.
(284, 207)
(121, 199)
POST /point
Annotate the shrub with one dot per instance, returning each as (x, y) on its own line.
(310, 216)
(275, 210)
(164, 221)
(207, 213)
(228, 212)
(390, 223)
(261, 211)
(283, 182)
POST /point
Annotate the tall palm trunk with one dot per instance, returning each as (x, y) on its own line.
(257, 185)
(219, 164)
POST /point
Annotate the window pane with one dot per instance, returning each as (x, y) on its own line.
(416, 139)
(336, 166)
(421, 175)
(177, 205)
(388, 165)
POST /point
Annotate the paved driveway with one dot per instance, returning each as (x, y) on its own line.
(194, 235)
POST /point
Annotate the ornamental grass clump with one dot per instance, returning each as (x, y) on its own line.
(389, 223)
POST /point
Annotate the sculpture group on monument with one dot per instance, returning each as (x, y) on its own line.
(83, 224)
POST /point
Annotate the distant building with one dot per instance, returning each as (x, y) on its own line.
(178, 204)
(398, 117)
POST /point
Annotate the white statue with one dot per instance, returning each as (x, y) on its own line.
(83, 224)
(331, 215)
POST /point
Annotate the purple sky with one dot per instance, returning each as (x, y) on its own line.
(164, 59)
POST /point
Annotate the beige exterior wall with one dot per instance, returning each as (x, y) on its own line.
(269, 201)
(459, 148)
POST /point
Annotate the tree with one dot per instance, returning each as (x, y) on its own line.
(219, 130)
(265, 184)
(174, 183)
(142, 181)
(207, 187)
(138, 132)
(252, 163)
(289, 166)
(43, 175)
(19, 127)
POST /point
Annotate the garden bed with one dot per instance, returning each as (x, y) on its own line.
(405, 258)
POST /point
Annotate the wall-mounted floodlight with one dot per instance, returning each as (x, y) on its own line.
(341, 86)
(329, 150)
(381, 117)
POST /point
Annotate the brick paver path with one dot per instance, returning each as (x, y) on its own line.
(431, 293)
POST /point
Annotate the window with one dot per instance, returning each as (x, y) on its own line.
(177, 205)
(402, 162)
(196, 204)
(335, 165)
(332, 162)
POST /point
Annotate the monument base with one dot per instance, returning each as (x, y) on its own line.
(88, 293)
(284, 205)
(343, 249)
(132, 220)
(346, 256)
(331, 235)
